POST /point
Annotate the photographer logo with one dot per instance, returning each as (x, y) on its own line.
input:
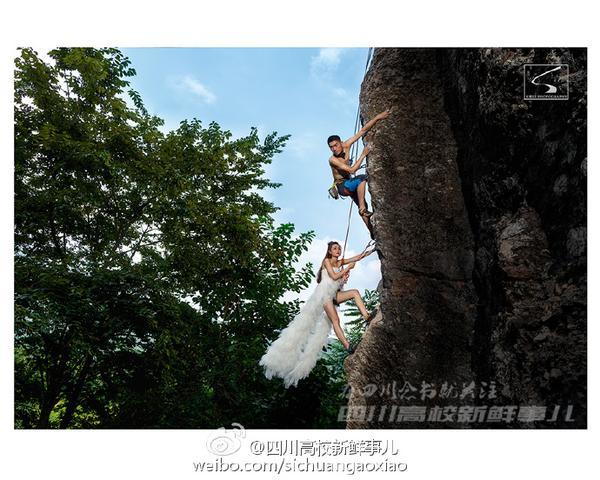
(546, 81)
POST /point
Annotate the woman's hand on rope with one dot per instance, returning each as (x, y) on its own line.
(366, 254)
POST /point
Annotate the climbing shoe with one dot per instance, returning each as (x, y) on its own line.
(371, 317)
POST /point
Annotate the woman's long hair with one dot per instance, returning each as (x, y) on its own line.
(327, 255)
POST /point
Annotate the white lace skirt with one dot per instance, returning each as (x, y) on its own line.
(295, 352)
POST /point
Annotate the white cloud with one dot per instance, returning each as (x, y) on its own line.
(323, 69)
(193, 86)
(366, 274)
(326, 62)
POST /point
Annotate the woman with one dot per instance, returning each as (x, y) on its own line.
(296, 351)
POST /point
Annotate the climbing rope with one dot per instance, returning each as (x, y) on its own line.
(353, 152)
(347, 230)
(354, 148)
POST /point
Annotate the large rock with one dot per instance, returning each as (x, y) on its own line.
(480, 214)
(426, 246)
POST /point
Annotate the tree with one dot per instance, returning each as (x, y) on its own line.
(148, 270)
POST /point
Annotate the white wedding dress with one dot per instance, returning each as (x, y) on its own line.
(299, 345)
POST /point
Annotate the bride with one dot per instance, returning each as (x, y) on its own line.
(296, 351)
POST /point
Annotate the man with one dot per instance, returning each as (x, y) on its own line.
(343, 174)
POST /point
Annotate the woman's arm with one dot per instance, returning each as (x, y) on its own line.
(332, 274)
(356, 258)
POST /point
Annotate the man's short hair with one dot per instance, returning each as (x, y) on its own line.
(332, 138)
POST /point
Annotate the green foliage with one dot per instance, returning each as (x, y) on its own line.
(148, 270)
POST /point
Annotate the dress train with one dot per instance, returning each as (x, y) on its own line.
(295, 352)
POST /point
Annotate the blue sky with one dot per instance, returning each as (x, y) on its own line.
(308, 93)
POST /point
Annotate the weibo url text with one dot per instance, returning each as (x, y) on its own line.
(300, 465)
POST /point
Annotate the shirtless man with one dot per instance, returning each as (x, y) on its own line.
(343, 174)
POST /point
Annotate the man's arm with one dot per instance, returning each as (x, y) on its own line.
(340, 165)
(343, 166)
(367, 127)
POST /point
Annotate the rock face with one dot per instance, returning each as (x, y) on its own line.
(480, 216)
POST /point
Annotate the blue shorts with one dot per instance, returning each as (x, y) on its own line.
(349, 186)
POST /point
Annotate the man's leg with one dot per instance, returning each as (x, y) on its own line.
(369, 225)
(360, 194)
(359, 199)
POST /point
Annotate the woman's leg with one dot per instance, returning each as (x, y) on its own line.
(335, 320)
(346, 295)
